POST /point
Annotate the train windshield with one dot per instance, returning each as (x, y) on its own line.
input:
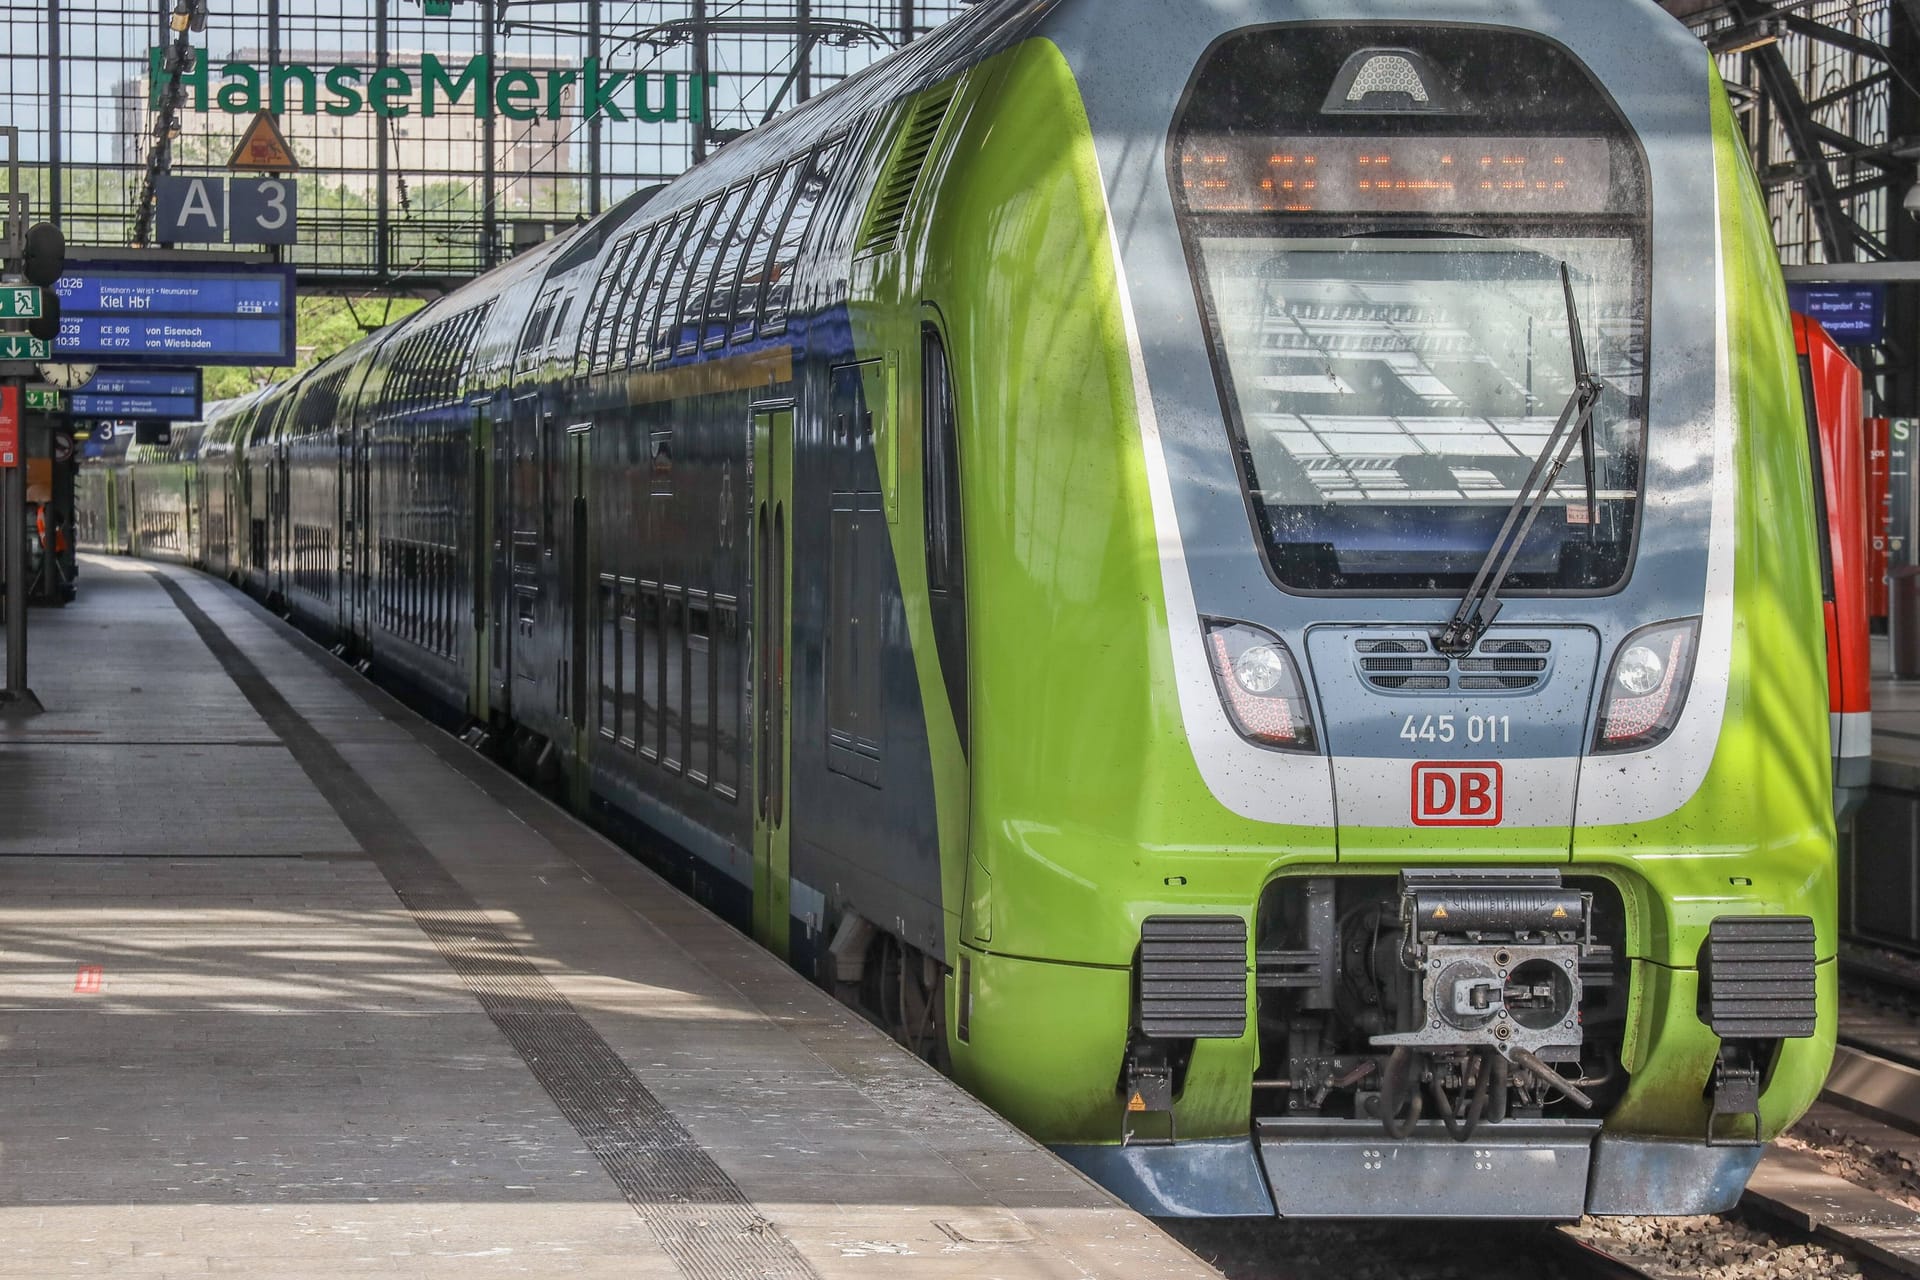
(1382, 286)
(1393, 394)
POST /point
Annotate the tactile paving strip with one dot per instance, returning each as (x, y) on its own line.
(697, 1213)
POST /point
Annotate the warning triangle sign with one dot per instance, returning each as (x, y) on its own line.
(263, 146)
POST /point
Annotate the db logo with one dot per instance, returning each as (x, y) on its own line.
(1456, 795)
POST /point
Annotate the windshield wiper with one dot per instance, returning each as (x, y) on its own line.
(1481, 605)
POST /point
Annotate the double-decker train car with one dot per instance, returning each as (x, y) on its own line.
(1245, 576)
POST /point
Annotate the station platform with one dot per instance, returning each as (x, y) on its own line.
(1880, 845)
(292, 984)
(1896, 723)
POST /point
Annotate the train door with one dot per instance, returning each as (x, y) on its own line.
(343, 521)
(581, 622)
(502, 434)
(360, 528)
(772, 538)
(283, 516)
(483, 550)
(528, 519)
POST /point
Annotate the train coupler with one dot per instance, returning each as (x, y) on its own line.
(1495, 960)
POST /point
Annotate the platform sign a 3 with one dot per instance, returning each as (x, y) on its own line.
(208, 210)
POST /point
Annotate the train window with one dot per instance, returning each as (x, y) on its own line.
(753, 272)
(946, 564)
(1815, 455)
(651, 609)
(673, 683)
(628, 674)
(706, 269)
(533, 342)
(659, 271)
(668, 328)
(617, 332)
(697, 703)
(728, 679)
(558, 343)
(660, 463)
(858, 552)
(606, 295)
(726, 287)
(786, 257)
(1383, 303)
(621, 323)
(940, 448)
(607, 616)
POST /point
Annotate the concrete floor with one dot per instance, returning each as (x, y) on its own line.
(293, 985)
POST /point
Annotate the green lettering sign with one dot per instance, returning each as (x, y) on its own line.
(475, 86)
(435, 80)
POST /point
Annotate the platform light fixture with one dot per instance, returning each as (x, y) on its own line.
(188, 15)
(1746, 38)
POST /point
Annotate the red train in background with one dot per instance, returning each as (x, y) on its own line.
(1831, 384)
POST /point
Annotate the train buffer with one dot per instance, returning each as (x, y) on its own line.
(297, 986)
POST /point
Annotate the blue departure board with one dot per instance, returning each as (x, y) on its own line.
(1853, 314)
(165, 395)
(176, 313)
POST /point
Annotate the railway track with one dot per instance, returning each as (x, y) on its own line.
(1847, 1178)
(1838, 1196)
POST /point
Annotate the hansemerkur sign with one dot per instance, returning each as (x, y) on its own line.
(475, 86)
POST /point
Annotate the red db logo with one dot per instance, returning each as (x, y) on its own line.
(1456, 795)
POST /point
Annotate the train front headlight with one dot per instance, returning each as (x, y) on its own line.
(1260, 686)
(1647, 686)
(1640, 670)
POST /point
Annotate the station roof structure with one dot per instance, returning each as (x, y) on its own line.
(416, 186)
(1829, 94)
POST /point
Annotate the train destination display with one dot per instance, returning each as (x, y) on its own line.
(165, 395)
(1397, 175)
(177, 313)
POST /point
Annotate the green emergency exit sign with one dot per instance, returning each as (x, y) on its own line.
(43, 399)
(19, 302)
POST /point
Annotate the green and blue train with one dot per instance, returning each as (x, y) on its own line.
(1244, 576)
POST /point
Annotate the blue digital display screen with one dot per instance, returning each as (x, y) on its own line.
(202, 339)
(1852, 314)
(208, 293)
(168, 313)
(166, 408)
(144, 382)
(166, 395)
